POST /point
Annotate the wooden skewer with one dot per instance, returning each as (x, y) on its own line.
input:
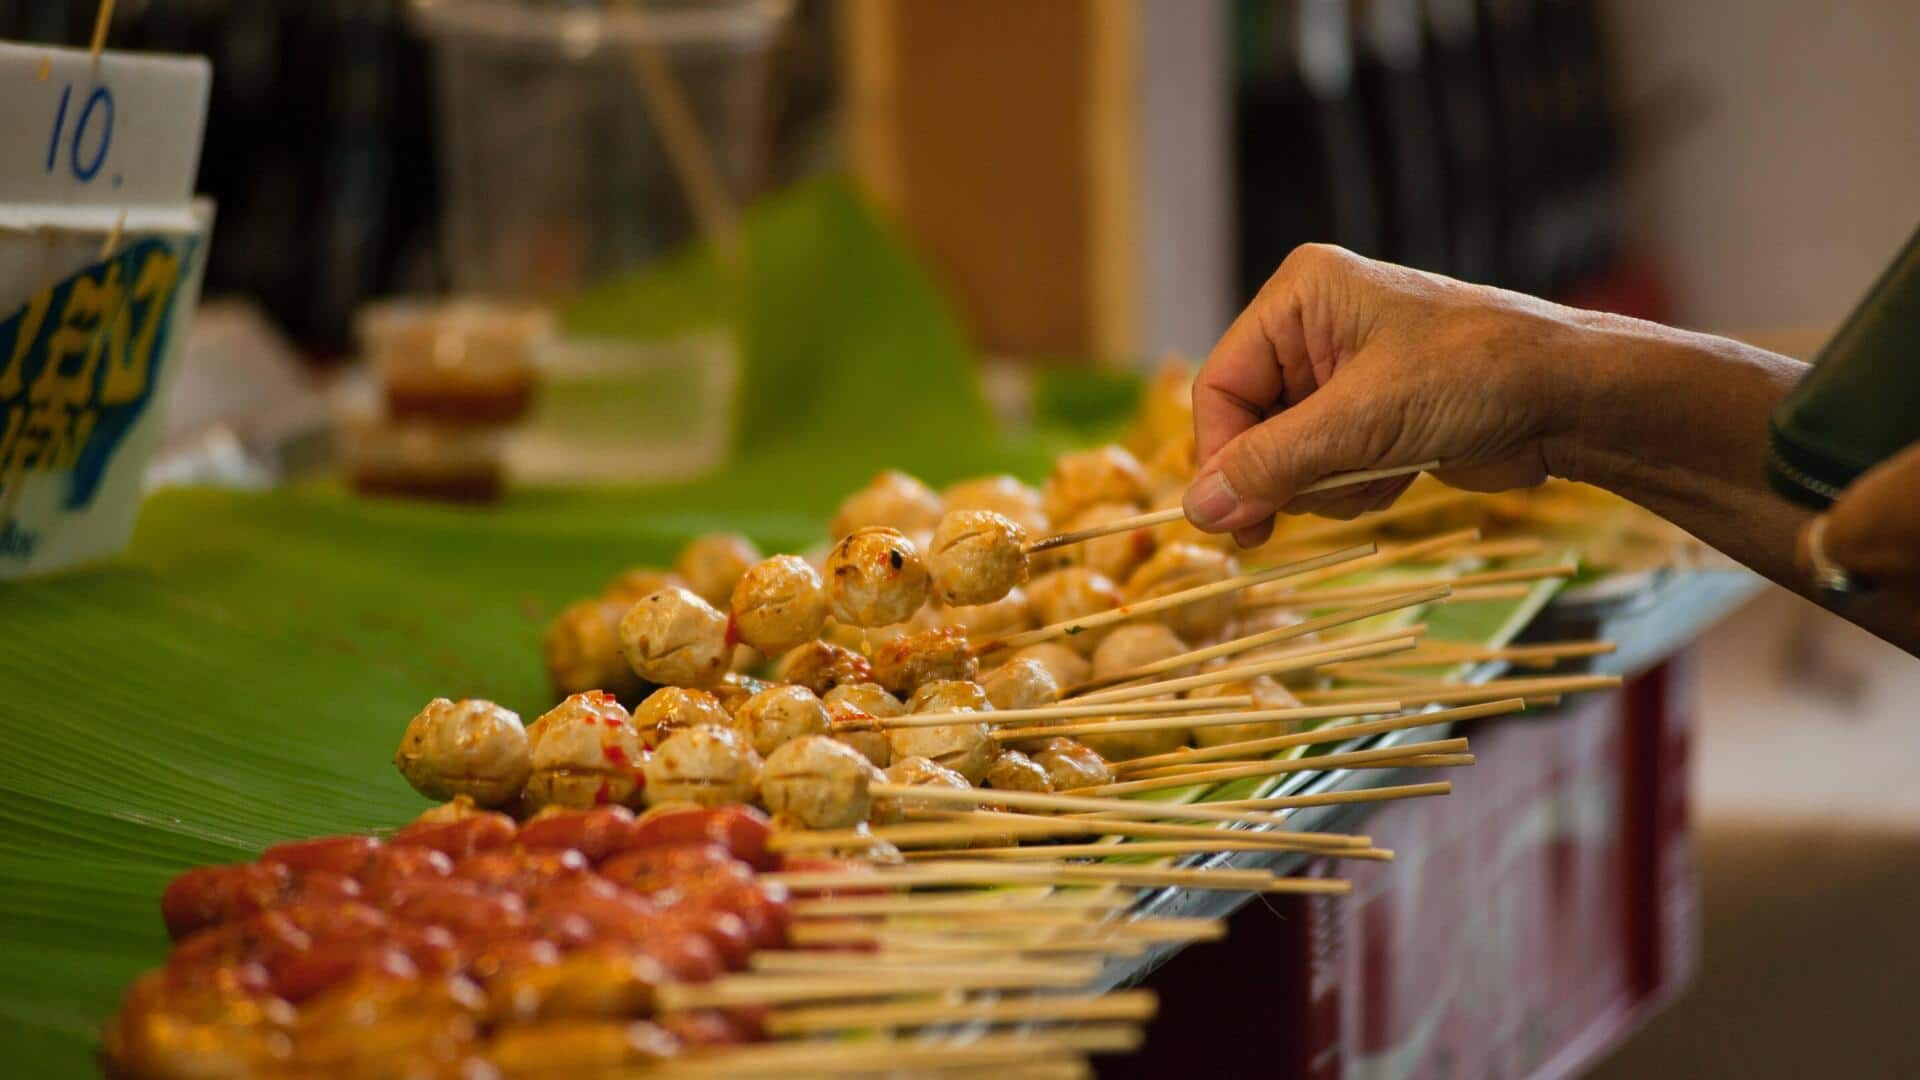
(1165, 517)
(1322, 597)
(1435, 653)
(998, 901)
(1450, 693)
(1293, 661)
(1144, 847)
(1519, 547)
(1331, 733)
(1389, 793)
(102, 22)
(962, 828)
(1122, 1005)
(1035, 800)
(1436, 761)
(776, 989)
(965, 873)
(1186, 722)
(1287, 714)
(1177, 776)
(893, 959)
(893, 1055)
(1172, 600)
(1062, 711)
(1486, 592)
(1300, 764)
(941, 945)
(1265, 638)
(1321, 533)
(1385, 557)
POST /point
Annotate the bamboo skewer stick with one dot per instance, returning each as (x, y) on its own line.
(1228, 842)
(102, 22)
(1436, 761)
(1177, 776)
(1325, 532)
(1198, 720)
(1449, 693)
(1338, 798)
(950, 828)
(1519, 547)
(776, 989)
(1295, 661)
(1434, 653)
(1018, 1050)
(1385, 557)
(1165, 517)
(1486, 592)
(1076, 902)
(1321, 597)
(1275, 636)
(1046, 712)
(1121, 1005)
(1183, 597)
(1035, 800)
(1339, 760)
(939, 945)
(1330, 733)
(965, 873)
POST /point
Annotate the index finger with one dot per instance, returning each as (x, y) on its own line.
(1245, 374)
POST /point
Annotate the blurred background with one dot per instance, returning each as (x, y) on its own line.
(1089, 184)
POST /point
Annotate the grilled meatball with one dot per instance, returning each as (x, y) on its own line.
(893, 500)
(586, 753)
(915, 772)
(1073, 593)
(857, 702)
(1102, 475)
(820, 666)
(1116, 555)
(674, 638)
(818, 781)
(671, 708)
(966, 748)
(1069, 668)
(1015, 771)
(1186, 566)
(1135, 645)
(472, 748)
(1003, 495)
(1071, 764)
(778, 715)
(977, 557)
(906, 663)
(582, 650)
(1021, 683)
(876, 577)
(779, 604)
(1266, 693)
(711, 766)
(637, 584)
(711, 565)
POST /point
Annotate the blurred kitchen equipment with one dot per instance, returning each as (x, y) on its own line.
(563, 125)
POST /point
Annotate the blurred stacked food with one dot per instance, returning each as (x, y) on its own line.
(451, 379)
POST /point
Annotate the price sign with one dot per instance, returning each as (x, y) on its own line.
(117, 132)
(90, 148)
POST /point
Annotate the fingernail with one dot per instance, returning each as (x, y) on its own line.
(1210, 500)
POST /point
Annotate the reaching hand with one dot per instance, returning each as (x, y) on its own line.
(1343, 363)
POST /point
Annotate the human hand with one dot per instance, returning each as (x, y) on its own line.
(1343, 363)
(1873, 533)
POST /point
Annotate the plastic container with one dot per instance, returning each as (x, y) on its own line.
(554, 171)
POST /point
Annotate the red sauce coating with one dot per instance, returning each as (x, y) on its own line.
(480, 832)
(595, 833)
(345, 855)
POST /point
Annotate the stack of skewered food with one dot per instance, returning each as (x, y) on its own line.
(587, 942)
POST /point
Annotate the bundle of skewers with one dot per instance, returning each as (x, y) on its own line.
(589, 943)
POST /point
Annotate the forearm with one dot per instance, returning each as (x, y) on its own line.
(1677, 422)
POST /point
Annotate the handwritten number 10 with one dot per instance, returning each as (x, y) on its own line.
(85, 172)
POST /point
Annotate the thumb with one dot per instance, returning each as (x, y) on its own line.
(1260, 470)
